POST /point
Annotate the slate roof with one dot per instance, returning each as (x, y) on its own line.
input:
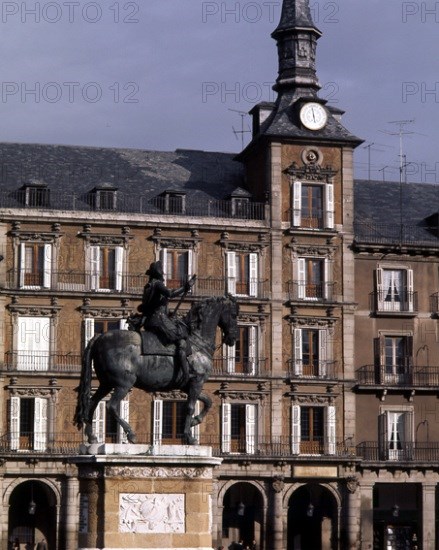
(137, 174)
(377, 212)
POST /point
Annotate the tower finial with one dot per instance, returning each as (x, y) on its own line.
(296, 37)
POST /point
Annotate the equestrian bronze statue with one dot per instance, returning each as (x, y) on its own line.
(146, 359)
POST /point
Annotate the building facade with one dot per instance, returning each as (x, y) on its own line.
(323, 411)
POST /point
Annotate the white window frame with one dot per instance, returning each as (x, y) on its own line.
(388, 427)
(330, 429)
(328, 204)
(40, 421)
(100, 418)
(253, 280)
(157, 422)
(33, 343)
(94, 261)
(406, 302)
(251, 427)
(399, 372)
(89, 328)
(190, 260)
(47, 265)
(252, 352)
(325, 351)
(302, 278)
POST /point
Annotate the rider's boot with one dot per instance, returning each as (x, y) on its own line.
(182, 350)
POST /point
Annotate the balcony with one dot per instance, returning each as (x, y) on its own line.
(84, 281)
(434, 304)
(405, 304)
(321, 370)
(407, 375)
(201, 207)
(29, 362)
(299, 291)
(372, 451)
(249, 367)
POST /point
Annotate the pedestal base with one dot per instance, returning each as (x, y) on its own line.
(139, 496)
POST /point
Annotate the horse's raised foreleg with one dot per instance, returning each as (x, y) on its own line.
(207, 401)
(194, 391)
(113, 407)
(99, 394)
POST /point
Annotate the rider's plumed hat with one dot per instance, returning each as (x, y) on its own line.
(155, 270)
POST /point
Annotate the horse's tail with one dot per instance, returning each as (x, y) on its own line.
(84, 389)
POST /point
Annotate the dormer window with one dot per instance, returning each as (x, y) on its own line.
(240, 200)
(35, 194)
(104, 197)
(174, 202)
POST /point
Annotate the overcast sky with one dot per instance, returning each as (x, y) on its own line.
(167, 74)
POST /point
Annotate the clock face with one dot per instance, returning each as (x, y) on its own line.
(313, 116)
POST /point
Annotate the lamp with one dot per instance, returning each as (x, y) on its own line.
(395, 511)
(241, 509)
(310, 510)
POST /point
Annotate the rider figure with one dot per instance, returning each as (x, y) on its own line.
(155, 316)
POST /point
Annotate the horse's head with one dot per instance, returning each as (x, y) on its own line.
(228, 320)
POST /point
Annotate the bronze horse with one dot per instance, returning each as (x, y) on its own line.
(119, 366)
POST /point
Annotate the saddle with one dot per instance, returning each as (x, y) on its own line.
(152, 345)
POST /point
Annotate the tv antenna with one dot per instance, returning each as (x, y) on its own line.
(400, 132)
(369, 149)
(241, 132)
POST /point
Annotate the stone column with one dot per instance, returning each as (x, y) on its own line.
(72, 512)
(278, 486)
(428, 517)
(353, 513)
(366, 516)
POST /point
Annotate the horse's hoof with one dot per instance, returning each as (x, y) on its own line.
(132, 438)
(191, 440)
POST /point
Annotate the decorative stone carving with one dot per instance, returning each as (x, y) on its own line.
(174, 395)
(33, 311)
(128, 472)
(352, 484)
(278, 484)
(150, 513)
(105, 239)
(311, 172)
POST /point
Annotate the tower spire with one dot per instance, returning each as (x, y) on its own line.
(296, 37)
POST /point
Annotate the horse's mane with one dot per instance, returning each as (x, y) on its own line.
(195, 315)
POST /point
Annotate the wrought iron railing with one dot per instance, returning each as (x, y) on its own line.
(373, 451)
(405, 302)
(404, 375)
(246, 367)
(36, 361)
(310, 292)
(396, 234)
(325, 370)
(201, 207)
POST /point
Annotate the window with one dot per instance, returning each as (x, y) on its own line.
(239, 430)
(313, 205)
(313, 429)
(177, 266)
(394, 356)
(395, 290)
(35, 265)
(311, 352)
(28, 423)
(242, 358)
(36, 195)
(94, 326)
(33, 343)
(242, 273)
(168, 421)
(106, 267)
(105, 427)
(240, 207)
(396, 434)
(313, 275)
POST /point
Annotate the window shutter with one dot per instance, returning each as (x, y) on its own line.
(125, 415)
(231, 272)
(40, 424)
(301, 278)
(298, 349)
(33, 343)
(323, 371)
(252, 349)
(380, 288)
(410, 302)
(47, 274)
(250, 429)
(409, 435)
(295, 429)
(379, 362)
(89, 330)
(157, 422)
(118, 255)
(164, 260)
(195, 430)
(297, 203)
(408, 361)
(383, 436)
(226, 427)
(190, 263)
(329, 206)
(95, 260)
(253, 272)
(99, 422)
(229, 354)
(22, 264)
(327, 287)
(14, 423)
(331, 430)
(123, 324)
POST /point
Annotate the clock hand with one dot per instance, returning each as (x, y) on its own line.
(313, 115)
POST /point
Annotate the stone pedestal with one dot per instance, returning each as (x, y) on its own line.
(139, 496)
